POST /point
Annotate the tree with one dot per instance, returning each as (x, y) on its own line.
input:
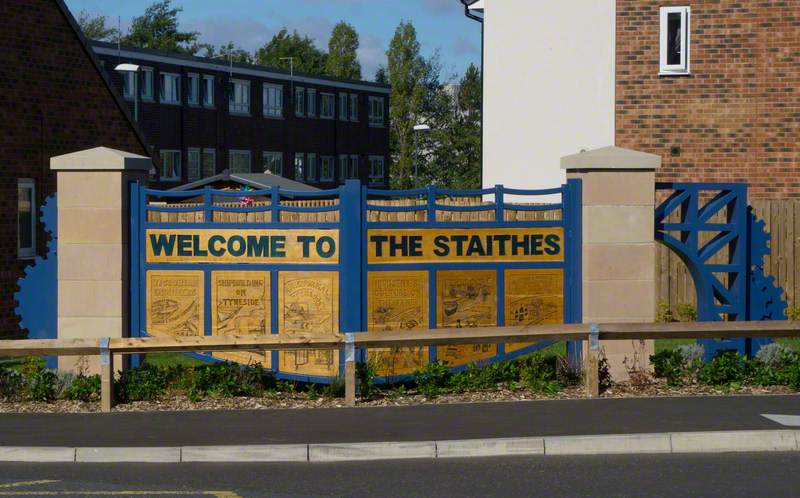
(342, 61)
(307, 57)
(224, 51)
(380, 75)
(158, 29)
(94, 27)
(406, 71)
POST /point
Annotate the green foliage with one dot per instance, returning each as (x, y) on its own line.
(664, 313)
(365, 373)
(432, 378)
(668, 364)
(335, 389)
(225, 380)
(148, 382)
(727, 368)
(342, 60)
(12, 384)
(307, 58)
(604, 374)
(41, 384)
(539, 374)
(228, 52)
(94, 27)
(687, 313)
(158, 29)
(793, 313)
(84, 388)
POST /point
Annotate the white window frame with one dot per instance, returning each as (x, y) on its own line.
(177, 169)
(213, 154)
(240, 152)
(381, 175)
(164, 98)
(29, 251)
(208, 91)
(193, 89)
(352, 108)
(272, 155)
(299, 101)
(331, 98)
(344, 106)
(272, 109)
(311, 103)
(241, 108)
(684, 66)
(376, 119)
(327, 169)
(196, 153)
(311, 167)
(128, 84)
(300, 167)
(147, 87)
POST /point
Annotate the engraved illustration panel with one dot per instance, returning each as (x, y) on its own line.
(397, 300)
(240, 305)
(308, 304)
(533, 297)
(466, 299)
(174, 303)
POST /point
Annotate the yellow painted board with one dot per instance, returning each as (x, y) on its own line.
(397, 300)
(240, 305)
(308, 305)
(242, 246)
(533, 297)
(465, 245)
(466, 298)
(174, 304)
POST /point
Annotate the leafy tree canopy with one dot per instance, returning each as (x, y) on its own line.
(307, 57)
(342, 61)
(238, 54)
(158, 29)
(95, 28)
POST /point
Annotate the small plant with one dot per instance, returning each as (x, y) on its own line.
(687, 312)
(432, 378)
(691, 354)
(84, 388)
(312, 392)
(365, 373)
(668, 364)
(41, 384)
(225, 380)
(539, 374)
(728, 368)
(286, 386)
(664, 312)
(604, 373)
(148, 382)
(793, 313)
(335, 389)
(773, 355)
(635, 366)
(12, 384)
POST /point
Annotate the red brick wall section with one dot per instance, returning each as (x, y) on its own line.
(737, 117)
(52, 101)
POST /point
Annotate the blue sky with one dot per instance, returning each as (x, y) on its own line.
(251, 23)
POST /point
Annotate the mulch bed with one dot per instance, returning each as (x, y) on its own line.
(180, 402)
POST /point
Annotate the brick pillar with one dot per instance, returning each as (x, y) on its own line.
(618, 243)
(93, 224)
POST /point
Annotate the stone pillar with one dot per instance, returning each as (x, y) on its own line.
(618, 244)
(93, 254)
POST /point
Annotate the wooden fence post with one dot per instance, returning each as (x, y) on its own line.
(106, 376)
(349, 370)
(592, 363)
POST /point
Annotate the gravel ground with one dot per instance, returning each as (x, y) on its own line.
(301, 400)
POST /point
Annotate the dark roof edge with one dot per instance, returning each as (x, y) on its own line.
(240, 65)
(96, 63)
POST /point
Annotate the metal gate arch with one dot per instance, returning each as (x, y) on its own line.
(355, 206)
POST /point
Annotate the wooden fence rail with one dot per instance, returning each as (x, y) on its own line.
(106, 348)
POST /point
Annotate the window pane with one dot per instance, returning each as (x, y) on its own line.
(299, 167)
(239, 162)
(674, 38)
(193, 165)
(209, 163)
(208, 91)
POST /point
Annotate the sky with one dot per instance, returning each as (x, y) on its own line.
(440, 24)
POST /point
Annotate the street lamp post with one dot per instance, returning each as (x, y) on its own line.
(421, 127)
(132, 68)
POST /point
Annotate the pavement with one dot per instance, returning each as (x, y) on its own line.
(552, 427)
(724, 475)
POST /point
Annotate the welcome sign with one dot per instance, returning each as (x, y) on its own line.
(465, 245)
(242, 246)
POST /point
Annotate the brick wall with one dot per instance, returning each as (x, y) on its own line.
(736, 118)
(52, 101)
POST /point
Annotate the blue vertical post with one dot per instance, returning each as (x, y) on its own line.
(350, 263)
(431, 203)
(499, 203)
(572, 209)
(134, 255)
(275, 204)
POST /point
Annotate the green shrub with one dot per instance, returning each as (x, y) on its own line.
(687, 312)
(793, 313)
(604, 374)
(12, 384)
(539, 374)
(145, 383)
(84, 388)
(664, 313)
(225, 380)
(365, 373)
(335, 389)
(727, 368)
(41, 384)
(432, 378)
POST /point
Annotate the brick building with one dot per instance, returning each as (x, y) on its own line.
(203, 116)
(712, 86)
(54, 99)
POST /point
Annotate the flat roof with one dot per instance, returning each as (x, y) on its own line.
(220, 65)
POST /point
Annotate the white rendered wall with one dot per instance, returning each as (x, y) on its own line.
(549, 87)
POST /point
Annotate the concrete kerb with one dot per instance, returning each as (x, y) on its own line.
(675, 443)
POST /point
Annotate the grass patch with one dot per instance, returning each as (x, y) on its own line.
(172, 360)
(670, 344)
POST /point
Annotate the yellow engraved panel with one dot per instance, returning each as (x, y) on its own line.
(308, 305)
(533, 297)
(397, 300)
(240, 305)
(465, 245)
(175, 303)
(242, 246)
(466, 299)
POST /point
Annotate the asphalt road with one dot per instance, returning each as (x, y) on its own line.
(728, 475)
(412, 423)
